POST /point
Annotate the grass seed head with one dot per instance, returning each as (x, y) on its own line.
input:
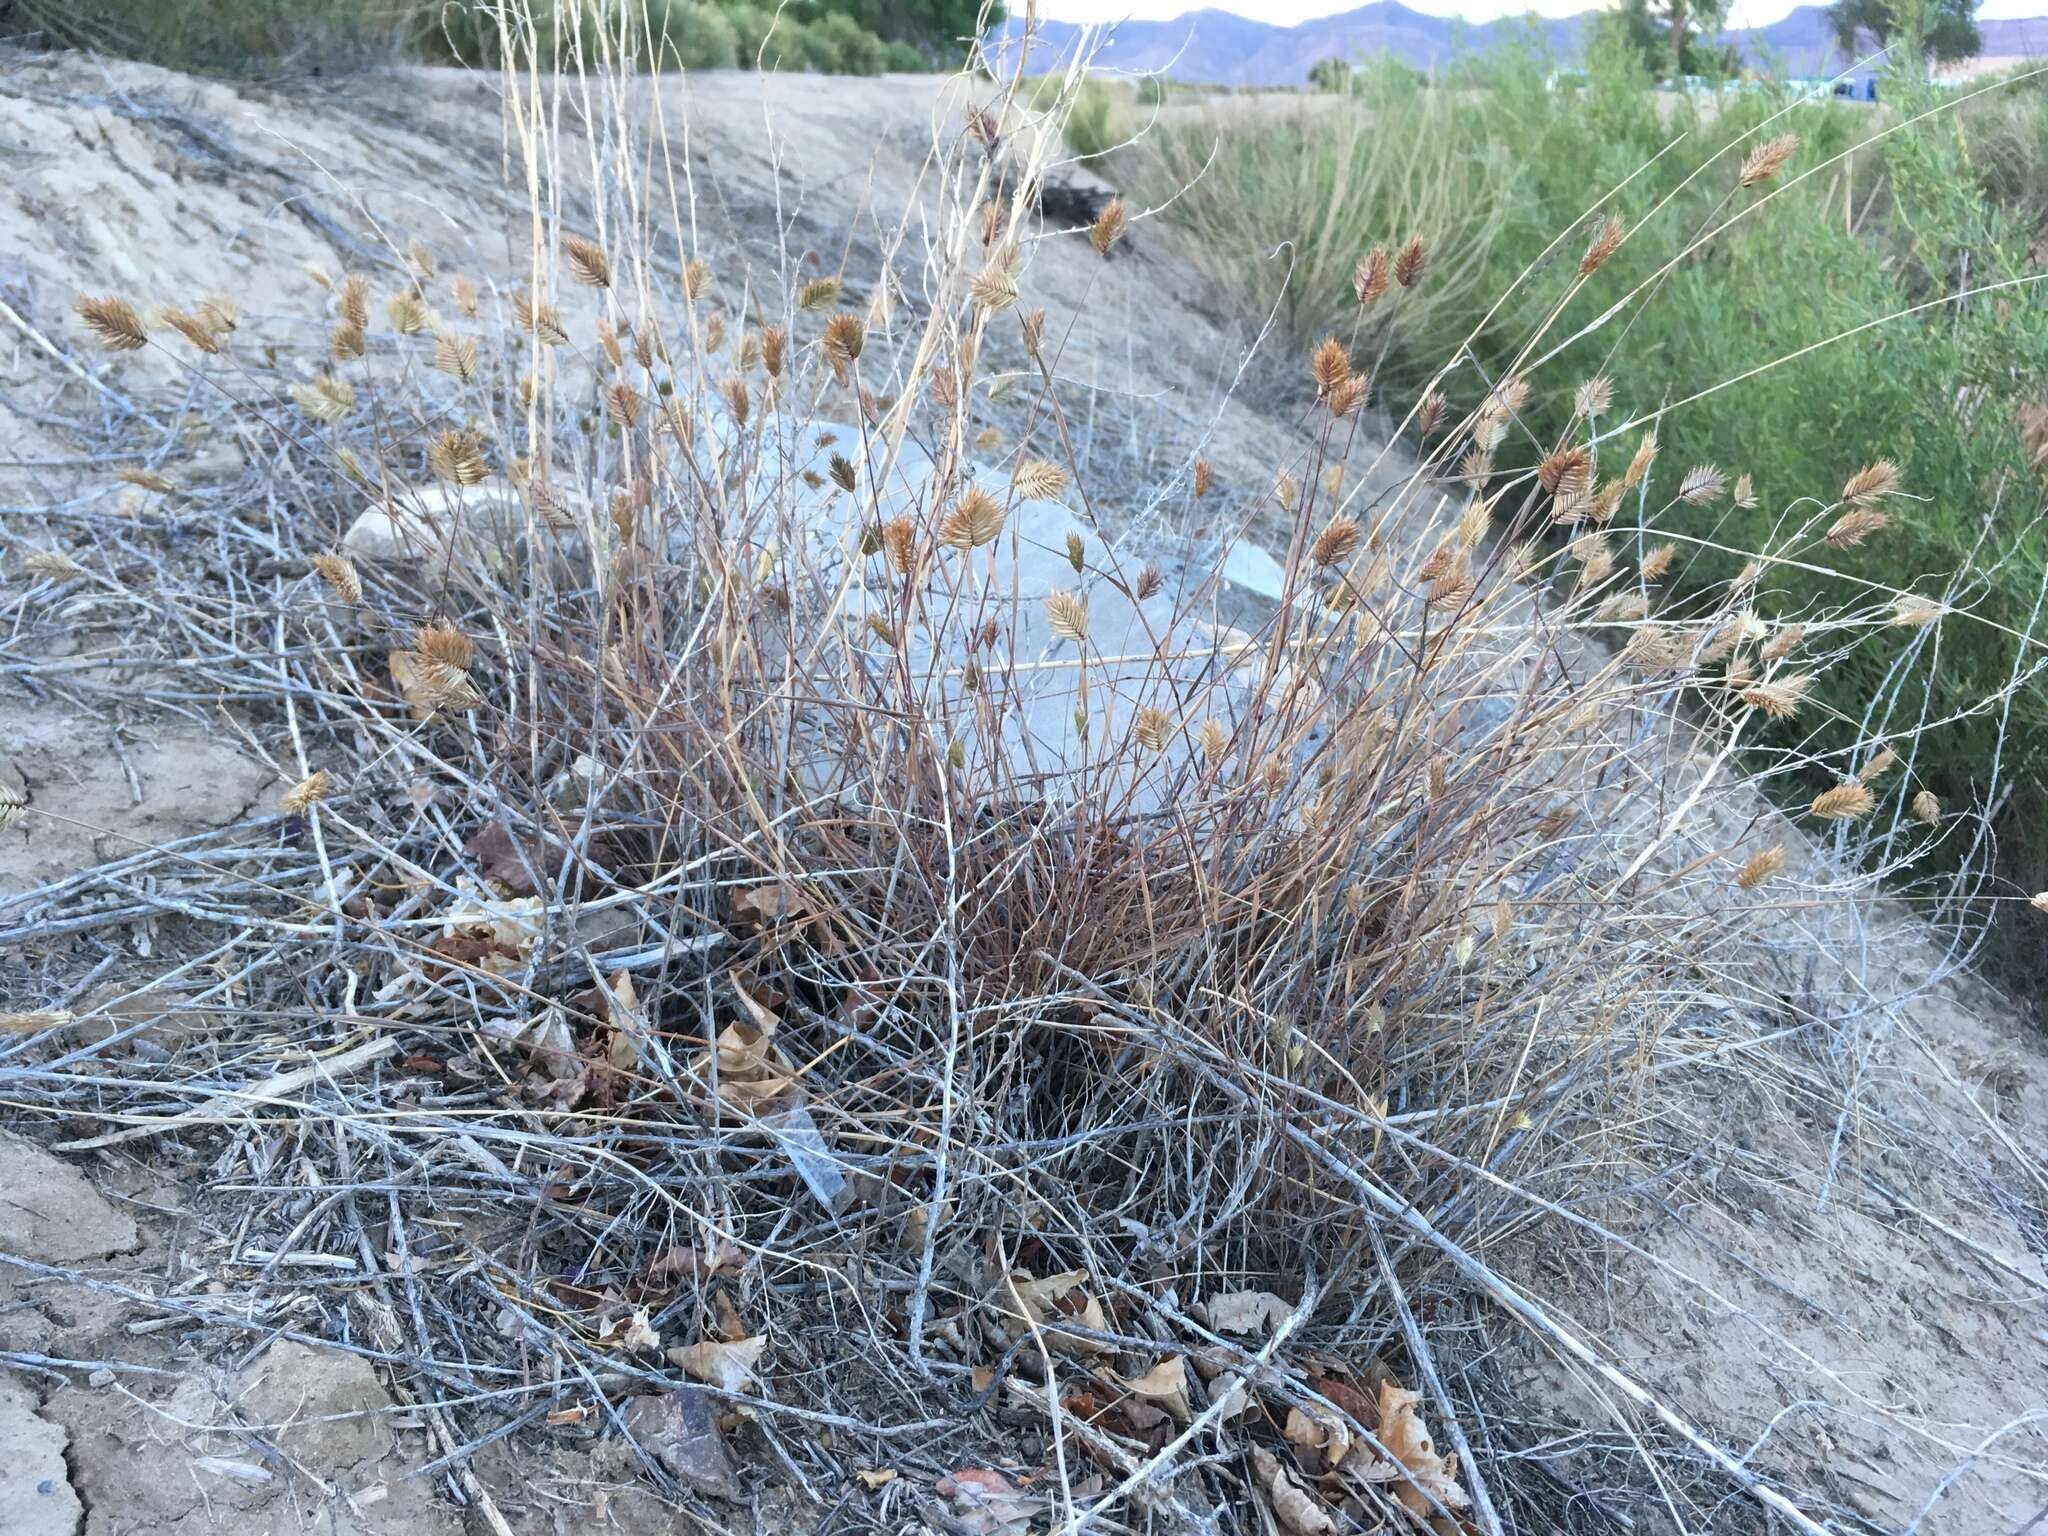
(1871, 483)
(1336, 543)
(1109, 226)
(1854, 526)
(456, 355)
(588, 264)
(1411, 263)
(113, 321)
(1845, 802)
(1068, 616)
(975, 519)
(1926, 807)
(1701, 485)
(352, 301)
(1040, 479)
(1369, 281)
(305, 794)
(1780, 697)
(1761, 867)
(1769, 158)
(457, 456)
(341, 576)
(1606, 241)
(1329, 367)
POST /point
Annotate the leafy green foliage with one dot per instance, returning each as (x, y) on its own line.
(1945, 28)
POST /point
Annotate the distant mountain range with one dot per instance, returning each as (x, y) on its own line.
(1219, 48)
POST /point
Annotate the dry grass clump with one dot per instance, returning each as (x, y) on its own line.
(760, 844)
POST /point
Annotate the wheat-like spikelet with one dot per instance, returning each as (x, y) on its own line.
(1926, 807)
(1566, 473)
(194, 329)
(608, 342)
(352, 301)
(147, 479)
(456, 356)
(622, 403)
(899, 543)
(843, 340)
(1853, 527)
(1701, 484)
(1845, 802)
(1606, 241)
(1640, 461)
(1594, 396)
(1780, 697)
(1877, 767)
(421, 258)
(457, 455)
(976, 519)
(1334, 545)
(1784, 642)
(1068, 616)
(588, 263)
(1109, 226)
(1622, 608)
(316, 274)
(1287, 491)
(737, 399)
(1040, 479)
(1767, 159)
(1430, 413)
(1910, 612)
(345, 343)
(819, 293)
(1328, 366)
(540, 320)
(340, 574)
(1871, 483)
(327, 398)
(1657, 563)
(113, 321)
(1204, 477)
(1152, 728)
(305, 794)
(1761, 867)
(1213, 740)
(443, 644)
(1369, 281)
(1151, 581)
(1744, 494)
(994, 287)
(408, 313)
(464, 292)
(697, 278)
(1411, 263)
(51, 565)
(1348, 397)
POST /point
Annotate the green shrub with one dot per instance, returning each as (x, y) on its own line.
(766, 40)
(836, 44)
(1094, 127)
(901, 58)
(693, 36)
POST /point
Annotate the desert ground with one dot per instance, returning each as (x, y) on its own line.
(1824, 1246)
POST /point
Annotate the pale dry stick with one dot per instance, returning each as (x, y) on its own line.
(1053, 1407)
(57, 355)
(1221, 1400)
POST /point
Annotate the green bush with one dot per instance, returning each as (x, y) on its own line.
(901, 58)
(1095, 126)
(767, 40)
(692, 36)
(836, 44)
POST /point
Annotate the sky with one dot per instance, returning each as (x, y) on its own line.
(1743, 13)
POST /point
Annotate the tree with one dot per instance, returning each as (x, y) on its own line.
(1329, 75)
(1673, 37)
(1945, 28)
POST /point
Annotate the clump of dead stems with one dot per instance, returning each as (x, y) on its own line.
(773, 905)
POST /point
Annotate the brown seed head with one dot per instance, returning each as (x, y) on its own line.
(1336, 542)
(1761, 867)
(1640, 461)
(1703, 483)
(1783, 643)
(1152, 728)
(1149, 583)
(587, 261)
(1204, 478)
(326, 399)
(456, 356)
(1593, 396)
(305, 794)
(457, 455)
(352, 301)
(1329, 367)
(1877, 767)
(1369, 281)
(844, 337)
(1871, 483)
(345, 344)
(407, 313)
(1411, 263)
(1845, 802)
(976, 519)
(1853, 527)
(113, 321)
(1657, 563)
(1109, 226)
(1606, 241)
(1767, 159)
(1926, 807)
(146, 479)
(819, 293)
(1780, 697)
(622, 402)
(1068, 616)
(1213, 739)
(1567, 472)
(1348, 397)
(899, 541)
(994, 287)
(1040, 479)
(340, 574)
(1745, 492)
(194, 329)
(844, 475)
(773, 341)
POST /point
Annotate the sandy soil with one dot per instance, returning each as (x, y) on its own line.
(1843, 1277)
